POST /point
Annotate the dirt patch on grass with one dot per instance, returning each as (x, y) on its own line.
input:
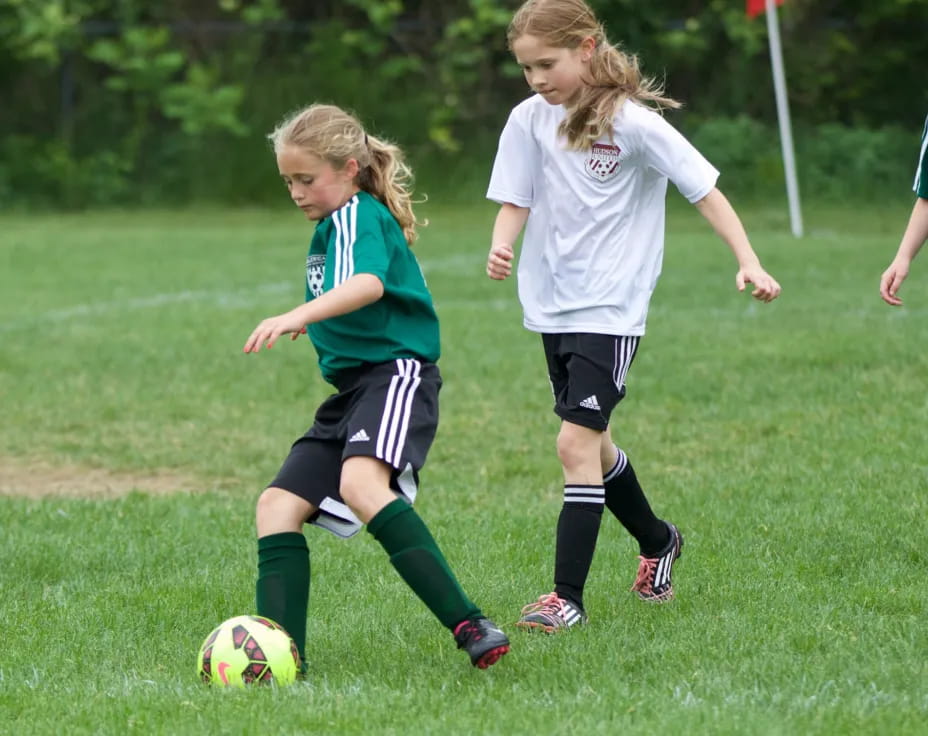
(42, 480)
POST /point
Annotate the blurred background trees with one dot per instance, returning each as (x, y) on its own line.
(129, 102)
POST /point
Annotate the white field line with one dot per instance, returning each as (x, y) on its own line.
(224, 297)
(459, 264)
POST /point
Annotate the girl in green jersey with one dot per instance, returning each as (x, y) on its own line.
(370, 317)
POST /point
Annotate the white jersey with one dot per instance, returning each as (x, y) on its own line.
(594, 239)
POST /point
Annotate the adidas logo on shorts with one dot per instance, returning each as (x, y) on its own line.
(360, 436)
(590, 402)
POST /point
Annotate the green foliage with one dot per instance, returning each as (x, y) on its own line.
(41, 29)
(745, 151)
(140, 61)
(352, 68)
(56, 177)
(381, 14)
(144, 67)
(202, 105)
(161, 88)
(834, 162)
(254, 13)
(465, 60)
(841, 162)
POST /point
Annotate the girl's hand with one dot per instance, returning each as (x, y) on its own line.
(499, 262)
(272, 328)
(766, 288)
(891, 281)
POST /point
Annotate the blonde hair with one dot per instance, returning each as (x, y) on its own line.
(615, 75)
(336, 136)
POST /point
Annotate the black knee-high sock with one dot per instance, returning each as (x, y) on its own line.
(282, 588)
(577, 532)
(627, 501)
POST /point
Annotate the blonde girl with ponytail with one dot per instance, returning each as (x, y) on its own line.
(370, 318)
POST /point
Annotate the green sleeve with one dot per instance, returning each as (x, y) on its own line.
(921, 173)
(369, 249)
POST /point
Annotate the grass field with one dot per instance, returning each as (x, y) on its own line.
(787, 441)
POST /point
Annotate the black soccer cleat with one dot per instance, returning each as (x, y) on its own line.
(484, 642)
(551, 613)
(653, 583)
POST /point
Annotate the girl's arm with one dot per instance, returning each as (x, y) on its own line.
(358, 291)
(509, 223)
(723, 218)
(916, 232)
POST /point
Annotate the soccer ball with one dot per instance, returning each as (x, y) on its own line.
(247, 649)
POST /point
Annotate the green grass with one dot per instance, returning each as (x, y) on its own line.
(787, 441)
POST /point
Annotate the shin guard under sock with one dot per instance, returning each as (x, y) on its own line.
(282, 587)
(627, 501)
(417, 558)
(577, 533)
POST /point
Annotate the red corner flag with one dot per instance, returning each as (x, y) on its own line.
(756, 7)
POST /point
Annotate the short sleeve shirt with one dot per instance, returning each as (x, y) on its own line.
(364, 237)
(594, 239)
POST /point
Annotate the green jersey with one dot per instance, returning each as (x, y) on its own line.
(921, 173)
(363, 237)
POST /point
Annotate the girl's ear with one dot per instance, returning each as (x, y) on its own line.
(587, 47)
(352, 167)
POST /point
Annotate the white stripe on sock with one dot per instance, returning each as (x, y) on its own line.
(621, 461)
(584, 494)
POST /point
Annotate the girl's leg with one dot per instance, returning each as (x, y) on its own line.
(578, 449)
(282, 587)
(627, 501)
(365, 487)
(582, 511)
(660, 542)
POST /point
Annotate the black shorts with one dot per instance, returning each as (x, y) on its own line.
(388, 411)
(587, 373)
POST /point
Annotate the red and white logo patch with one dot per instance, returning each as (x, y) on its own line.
(603, 163)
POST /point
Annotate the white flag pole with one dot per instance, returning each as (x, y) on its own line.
(786, 133)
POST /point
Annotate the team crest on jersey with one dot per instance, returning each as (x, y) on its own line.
(603, 163)
(315, 274)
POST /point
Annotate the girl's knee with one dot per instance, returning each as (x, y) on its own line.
(577, 445)
(279, 511)
(365, 486)
(356, 492)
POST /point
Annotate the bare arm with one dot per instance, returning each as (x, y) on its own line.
(716, 208)
(509, 223)
(358, 291)
(916, 232)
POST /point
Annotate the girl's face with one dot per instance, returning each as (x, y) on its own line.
(315, 186)
(556, 73)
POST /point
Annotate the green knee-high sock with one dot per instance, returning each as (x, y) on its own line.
(417, 558)
(282, 588)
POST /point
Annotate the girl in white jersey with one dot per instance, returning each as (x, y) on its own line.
(583, 165)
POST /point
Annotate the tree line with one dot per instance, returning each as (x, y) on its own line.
(124, 101)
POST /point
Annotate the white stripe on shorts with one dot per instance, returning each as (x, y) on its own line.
(625, 348)
(394, 424)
